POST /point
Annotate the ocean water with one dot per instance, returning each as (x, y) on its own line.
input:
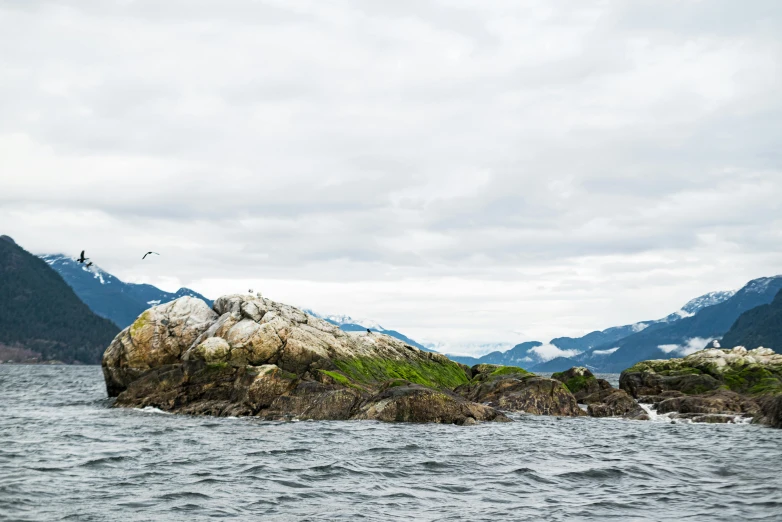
(66, 455)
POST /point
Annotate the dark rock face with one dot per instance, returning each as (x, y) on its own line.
(712, 385)
(616, 403)
(601, 398)
(643, 383)
(716, 402)
(771, 411)
(513, 389)
(416, 403)
(581, 383)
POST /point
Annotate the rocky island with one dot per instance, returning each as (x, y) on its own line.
(253, 356)
(713, 385)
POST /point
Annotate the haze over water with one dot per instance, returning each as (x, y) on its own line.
(65, 455)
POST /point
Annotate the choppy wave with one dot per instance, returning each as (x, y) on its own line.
(64, 454)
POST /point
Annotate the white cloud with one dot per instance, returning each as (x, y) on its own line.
(668, 348)
(546, 352)
(692, 345)
(605, 352)
(364, 158)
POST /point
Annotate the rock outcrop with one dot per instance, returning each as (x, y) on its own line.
(712, 385)
(616, 403)
(514, 389)
(581, 383)
(253, 356)
(602, 399)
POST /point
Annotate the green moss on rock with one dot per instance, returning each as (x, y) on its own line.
(427, 373)
(337, 377)
(508, 370)
(140, 323)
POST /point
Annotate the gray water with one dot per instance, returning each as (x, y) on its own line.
(65, 455)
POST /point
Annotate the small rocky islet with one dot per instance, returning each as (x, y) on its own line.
(251, 356)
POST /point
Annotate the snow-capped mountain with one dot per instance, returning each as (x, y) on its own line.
(349, 324)
(707, 319)
(610, 335)
(710, 299)
(698, 322)
(107, 295)
(346, 319)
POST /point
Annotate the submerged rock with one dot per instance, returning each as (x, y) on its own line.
(514, 389)
(253, 356)
(712, 382)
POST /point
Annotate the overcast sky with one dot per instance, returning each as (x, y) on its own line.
(466, 172)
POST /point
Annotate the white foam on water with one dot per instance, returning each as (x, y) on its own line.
(654, 416)
(669, 417)
(152, 409)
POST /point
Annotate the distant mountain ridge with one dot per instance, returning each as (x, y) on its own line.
(41, 318)
(712, 318)
(610, 335)
(760, 326)
(698, 322)
(107, 295)
(520, 355)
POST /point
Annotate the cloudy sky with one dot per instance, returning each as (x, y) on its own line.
(468, 172)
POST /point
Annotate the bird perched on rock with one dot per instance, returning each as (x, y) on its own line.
(369, 331)
(148, 253)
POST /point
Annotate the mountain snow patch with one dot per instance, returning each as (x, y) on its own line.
(712, 298)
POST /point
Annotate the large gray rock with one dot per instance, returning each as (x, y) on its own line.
(158, 337)
(253, 356)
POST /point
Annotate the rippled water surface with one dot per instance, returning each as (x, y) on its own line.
(64, 454)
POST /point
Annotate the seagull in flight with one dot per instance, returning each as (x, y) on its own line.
(145, 255)
(82, 259)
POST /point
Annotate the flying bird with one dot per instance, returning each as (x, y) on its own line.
(82, 259)
(145, 255)
(88, 264)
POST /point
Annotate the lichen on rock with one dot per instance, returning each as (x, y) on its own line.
(254, 356)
